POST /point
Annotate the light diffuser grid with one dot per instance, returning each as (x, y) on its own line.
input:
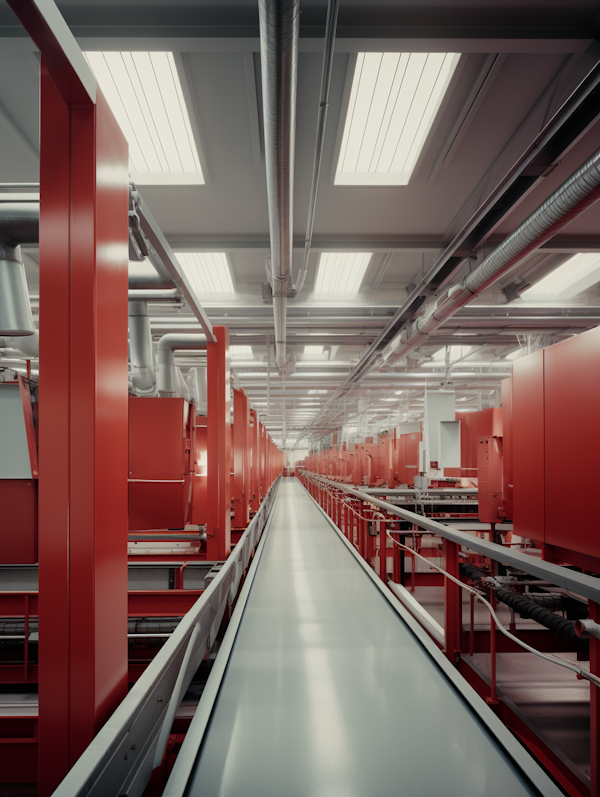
(207, 271)
(575, 275)
(144, 92)
(393, 102)
(341, 272)
(240, 351)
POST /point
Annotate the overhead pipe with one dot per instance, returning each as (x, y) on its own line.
(169, 376)
(330, 29)
(198, 386)
(19, 224)
(573, 197)
(279, 29)
(154, 296)
(141, 349)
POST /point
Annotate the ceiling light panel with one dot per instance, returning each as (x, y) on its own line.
(393, 102)
(144, 93)
(575, 275)
(239, 352)
(341, 272)
(208, 271)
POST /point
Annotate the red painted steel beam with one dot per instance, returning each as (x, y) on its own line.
(83, 399)
(241, 463)
(218, 543)
(255, 457)
(161, 603)
(65, 63)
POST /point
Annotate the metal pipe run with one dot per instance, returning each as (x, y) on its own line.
(572, 198)
(169, 376)
(330, 28)
(279, 28)
(19, 224)
(142, 351)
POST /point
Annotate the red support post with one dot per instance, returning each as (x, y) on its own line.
(84, 190)
(218, 542)
(255, 458)
(241, 463)
(452, 601)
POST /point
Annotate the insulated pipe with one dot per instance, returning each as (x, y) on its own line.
(330, 27)
(29, 345)
(154, 296)
(167, 370)
(571, 199)
(19, 224)
(142, 352)
(279, 28)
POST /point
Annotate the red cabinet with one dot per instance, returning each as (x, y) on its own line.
(161, 462)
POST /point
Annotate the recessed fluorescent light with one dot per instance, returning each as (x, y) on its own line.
(313, 350)
(208, 271)
(144, 93)
(341, 272)
(393, 102)
(577, 274)
(310, 392)
(238, 352)
(390, 399)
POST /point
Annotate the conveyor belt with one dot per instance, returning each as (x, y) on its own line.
(328, 691)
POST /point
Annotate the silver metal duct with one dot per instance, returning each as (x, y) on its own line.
(198, 387)
(29, 345)
(279, 27)
(154, 296)
(141, 349)
(330, 28)
(571, 199)
(19, 224)
(168, 374)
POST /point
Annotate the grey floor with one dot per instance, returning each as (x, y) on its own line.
(328, 693)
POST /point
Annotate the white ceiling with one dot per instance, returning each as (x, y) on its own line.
(530, 52)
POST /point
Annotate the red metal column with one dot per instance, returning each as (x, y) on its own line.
(218, 543)
(255, 470)
(240, 458)
(83, 425)
(263, 460)
(452, 601)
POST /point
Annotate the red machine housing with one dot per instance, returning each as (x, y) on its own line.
(162, 449)
(555, 440)
(489, 474)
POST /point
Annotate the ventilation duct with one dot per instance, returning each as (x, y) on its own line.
(19, 224)
(198, 387)
(170, 381)
(141, 350)
(571, 199)
(279, 27)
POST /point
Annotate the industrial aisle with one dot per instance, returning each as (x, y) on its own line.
(328, 693)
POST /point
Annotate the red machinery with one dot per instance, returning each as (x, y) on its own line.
(18, 474)
(555, 439)
(162, 452)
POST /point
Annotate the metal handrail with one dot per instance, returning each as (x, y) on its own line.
(121, 758)
(579, 583)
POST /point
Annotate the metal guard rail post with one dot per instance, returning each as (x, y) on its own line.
(122, 756)
(579, 583)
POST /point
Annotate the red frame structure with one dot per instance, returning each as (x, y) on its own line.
(84, 197)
